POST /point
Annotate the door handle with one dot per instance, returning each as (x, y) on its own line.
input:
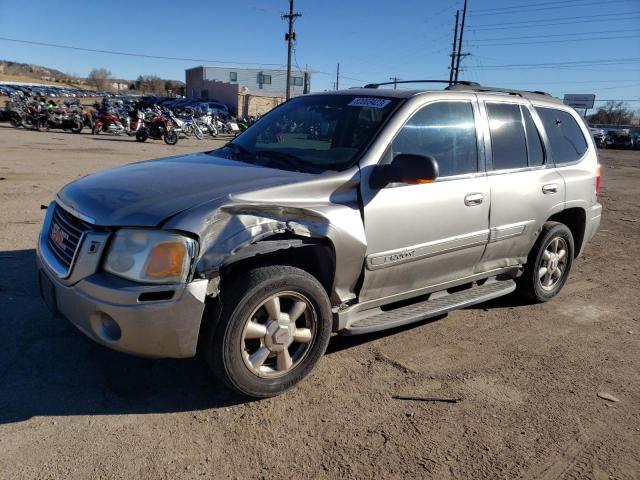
(550, 188)
(473, 199)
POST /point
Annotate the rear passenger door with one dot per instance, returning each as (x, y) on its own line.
(525, 187)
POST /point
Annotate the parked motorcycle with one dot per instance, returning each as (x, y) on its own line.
(157, 126)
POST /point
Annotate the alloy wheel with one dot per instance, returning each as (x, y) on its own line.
(553, 263)
(278, 334)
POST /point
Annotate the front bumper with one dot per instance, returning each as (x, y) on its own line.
(111, 312)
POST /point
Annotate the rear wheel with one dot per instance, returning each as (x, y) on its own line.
(549, 263)
(275, 324)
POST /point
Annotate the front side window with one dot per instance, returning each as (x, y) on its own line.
(313, 133)
(566, 140)
(508, 141)
(445, 131)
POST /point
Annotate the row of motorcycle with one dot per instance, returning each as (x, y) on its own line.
(119, 118)
(43, 116)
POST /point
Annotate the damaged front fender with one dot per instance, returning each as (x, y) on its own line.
(234, 232)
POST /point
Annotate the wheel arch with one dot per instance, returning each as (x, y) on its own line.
(575, 219)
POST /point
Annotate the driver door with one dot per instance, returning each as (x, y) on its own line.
(427, 234)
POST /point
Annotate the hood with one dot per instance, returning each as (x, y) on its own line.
(146, 193)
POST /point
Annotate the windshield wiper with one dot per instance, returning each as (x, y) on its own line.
(287, 159)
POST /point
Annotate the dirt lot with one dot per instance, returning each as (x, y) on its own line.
(528, 375)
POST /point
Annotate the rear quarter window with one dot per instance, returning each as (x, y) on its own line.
(566, 140)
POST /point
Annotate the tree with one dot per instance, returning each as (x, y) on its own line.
(150, 84)
(99, 78)
(613, 113)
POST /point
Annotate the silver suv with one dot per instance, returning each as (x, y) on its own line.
(350, 212)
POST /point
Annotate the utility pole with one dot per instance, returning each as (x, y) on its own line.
(290, 38)
(453, 50)
(395, 80)
(464, 16)
(338, 77)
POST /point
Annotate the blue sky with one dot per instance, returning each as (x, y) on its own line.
(372, 39)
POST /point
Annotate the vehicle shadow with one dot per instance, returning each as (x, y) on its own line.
(47, 367)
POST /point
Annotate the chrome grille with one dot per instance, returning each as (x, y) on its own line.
(64, 236)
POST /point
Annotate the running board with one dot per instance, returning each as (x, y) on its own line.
(438, 303)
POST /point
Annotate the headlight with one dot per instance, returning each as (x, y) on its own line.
(151, 256)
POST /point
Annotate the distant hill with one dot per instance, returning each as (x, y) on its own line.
(36, 72)
(27, 72)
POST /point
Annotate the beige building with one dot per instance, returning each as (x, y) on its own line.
(246, 91)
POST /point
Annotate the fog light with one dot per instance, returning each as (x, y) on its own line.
(108, 328)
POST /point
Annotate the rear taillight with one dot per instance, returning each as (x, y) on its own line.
(598, 178)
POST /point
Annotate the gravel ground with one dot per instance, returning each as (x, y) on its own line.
(528, 375)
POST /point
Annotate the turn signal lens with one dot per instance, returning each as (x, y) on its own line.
(166, 260)
(417, 181)
(598, 178)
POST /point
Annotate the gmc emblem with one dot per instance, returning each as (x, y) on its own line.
(58, 236)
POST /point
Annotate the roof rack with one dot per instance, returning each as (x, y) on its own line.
(465, 85)
(482, 88)
(450, 82)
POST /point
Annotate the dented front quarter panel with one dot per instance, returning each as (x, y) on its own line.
(321, 207)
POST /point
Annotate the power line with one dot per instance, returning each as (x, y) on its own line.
(558, 41)
(564, 24)
(569, 35)
(570, 3)
(533, 22)
(573, 65)
(512, 10)
(131, 54)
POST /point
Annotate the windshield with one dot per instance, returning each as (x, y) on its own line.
(313, 133)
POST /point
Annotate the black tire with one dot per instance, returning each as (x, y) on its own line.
(42, 125)
(95, 130)
(171, 137)
(241, 295)
(530, 284)
(142, 135)
(15, 120)
(76, 126)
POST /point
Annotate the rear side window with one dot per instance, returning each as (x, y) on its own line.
(566, 140)
(446, 131)
(534, 142)
(508, 141)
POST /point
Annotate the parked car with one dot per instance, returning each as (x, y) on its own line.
(599, 136)
(619, 139)
(350, 212)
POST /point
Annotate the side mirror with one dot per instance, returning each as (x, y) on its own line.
(405, 168)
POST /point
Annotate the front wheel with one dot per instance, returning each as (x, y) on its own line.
(171, 137)
(42, 125)
(275, 324)
(198, 133)
(76, 126)
(96, 129)
(142, 135)
(548, 264)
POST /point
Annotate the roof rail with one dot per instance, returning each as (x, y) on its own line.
(483, 88)
(451, 83)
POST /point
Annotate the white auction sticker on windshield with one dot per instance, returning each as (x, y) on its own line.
(371, 102)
